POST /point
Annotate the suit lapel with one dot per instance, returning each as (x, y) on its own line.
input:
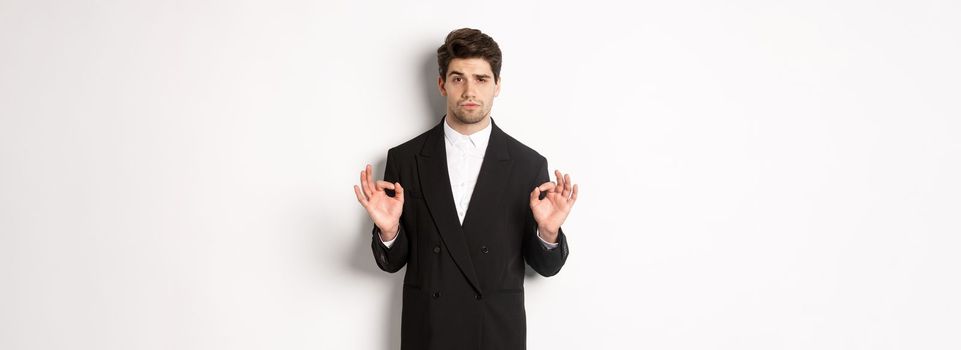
(435, 183)
(491, 182)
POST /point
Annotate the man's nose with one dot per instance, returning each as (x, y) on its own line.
(469, 89)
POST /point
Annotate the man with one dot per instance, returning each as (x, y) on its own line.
(464, 205)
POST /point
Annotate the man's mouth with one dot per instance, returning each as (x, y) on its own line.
(470, 105)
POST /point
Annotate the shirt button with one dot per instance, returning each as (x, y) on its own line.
(484, 249)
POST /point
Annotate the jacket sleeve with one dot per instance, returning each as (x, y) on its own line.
(547, 262)
(393, 258)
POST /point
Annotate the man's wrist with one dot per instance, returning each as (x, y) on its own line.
(389, 235)
(547, 234)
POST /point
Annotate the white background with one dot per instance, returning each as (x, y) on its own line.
(754, 174)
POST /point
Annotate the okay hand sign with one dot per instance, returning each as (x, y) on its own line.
(551, 211)
(384, 210)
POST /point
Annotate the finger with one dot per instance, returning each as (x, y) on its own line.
(567, 185)
(360, 196)
(562, 185)
(547, 186)
(364, 185)
(535, 196)
(381, 185)
(399, 192)
(560, 179)
(574, 195)
(370, 178)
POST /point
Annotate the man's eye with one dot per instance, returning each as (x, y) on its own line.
(457, 80)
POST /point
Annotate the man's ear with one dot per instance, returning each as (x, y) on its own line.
(440, 86)
(497, 86)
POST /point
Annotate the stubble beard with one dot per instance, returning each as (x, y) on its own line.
(467, 117)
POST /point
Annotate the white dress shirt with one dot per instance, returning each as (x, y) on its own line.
(465, 154)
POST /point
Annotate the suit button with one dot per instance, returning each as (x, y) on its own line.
(478, 297)
(484, 249)
(436, 249)
(436, 295)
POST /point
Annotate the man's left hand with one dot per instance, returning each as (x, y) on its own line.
(551, 211)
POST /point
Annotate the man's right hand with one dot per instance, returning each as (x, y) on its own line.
(384, 210)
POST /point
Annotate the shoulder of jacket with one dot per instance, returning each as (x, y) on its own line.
(520, 150)
(409, 147)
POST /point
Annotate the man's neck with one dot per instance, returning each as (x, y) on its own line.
(467, 129)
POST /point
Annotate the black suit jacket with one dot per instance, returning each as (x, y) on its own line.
(464, 286)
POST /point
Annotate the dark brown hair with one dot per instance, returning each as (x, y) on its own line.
(469, 43)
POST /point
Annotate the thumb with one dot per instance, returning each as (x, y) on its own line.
(535, 196)
(398, 191)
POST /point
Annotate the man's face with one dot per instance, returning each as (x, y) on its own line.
(470, 89)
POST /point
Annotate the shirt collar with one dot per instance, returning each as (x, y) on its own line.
(478, 139)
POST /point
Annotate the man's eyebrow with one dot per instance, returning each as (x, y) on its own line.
(454, 72)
